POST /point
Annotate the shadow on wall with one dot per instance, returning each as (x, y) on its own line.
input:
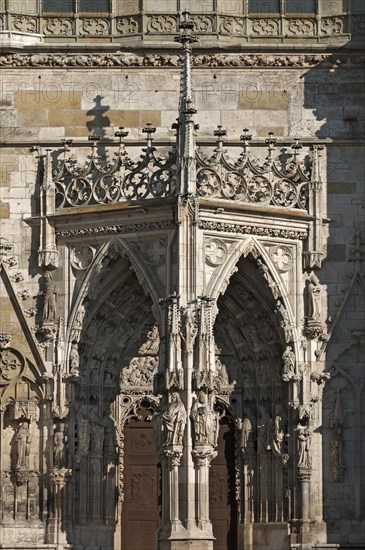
(334, 91)
(97, 125)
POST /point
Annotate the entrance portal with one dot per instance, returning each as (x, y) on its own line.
(141, 508)
(223, 504)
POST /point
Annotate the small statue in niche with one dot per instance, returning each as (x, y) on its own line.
(205, 420)
(83, 431)
(23, 446)
(96, 432)
(304, 435)
(77, 326)
(110, 437)
(264, 270)
(285, 324)
(247, 432)
(174, 420)
(314, 299)
(263, 426)
(59, 448)
(74, 359)
(50, 298)
(289, 365)
(277, 435)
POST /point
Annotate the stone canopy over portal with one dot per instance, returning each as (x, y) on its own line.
(188, 378)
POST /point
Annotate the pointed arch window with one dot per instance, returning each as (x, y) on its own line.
(76, 6)
(274, 7)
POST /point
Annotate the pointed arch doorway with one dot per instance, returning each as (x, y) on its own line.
(223, 504)
(141, 508)
(252, 463)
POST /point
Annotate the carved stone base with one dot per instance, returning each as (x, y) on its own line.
(185, 545)
(307, 532)
(266, 536)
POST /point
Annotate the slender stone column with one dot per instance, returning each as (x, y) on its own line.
(174, 454)
(203, 456)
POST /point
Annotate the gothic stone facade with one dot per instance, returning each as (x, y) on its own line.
(182, 331)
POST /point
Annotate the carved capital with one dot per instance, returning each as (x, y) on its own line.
(304, 474)
(173, 453)
(60, 476)
(203, 455)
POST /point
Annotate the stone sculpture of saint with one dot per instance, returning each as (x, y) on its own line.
(74, 359)
(304, 436)
(277, 436)
(246, 432)
(205, 420)
(23, 446)
(289, 364)
(59, 447)
(50, 298)
(174, 420)
(263, 427)
(314, 299)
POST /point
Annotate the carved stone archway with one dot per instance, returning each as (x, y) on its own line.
(251, 335)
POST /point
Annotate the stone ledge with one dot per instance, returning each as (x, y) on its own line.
(17, 39)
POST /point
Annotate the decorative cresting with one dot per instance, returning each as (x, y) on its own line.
(122, 179)
(107, 26)
(267, 181)
(250, 180)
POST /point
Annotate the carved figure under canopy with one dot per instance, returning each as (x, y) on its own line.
(59, 447)
(314, 299)
(304, 436)
(50, 298)
(23, 446)
(174, 420)
(247, 432)
(205, 420)
(289, 364)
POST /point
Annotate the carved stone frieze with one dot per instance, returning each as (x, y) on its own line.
(239, 61)
(115, 229)
(252, 230)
